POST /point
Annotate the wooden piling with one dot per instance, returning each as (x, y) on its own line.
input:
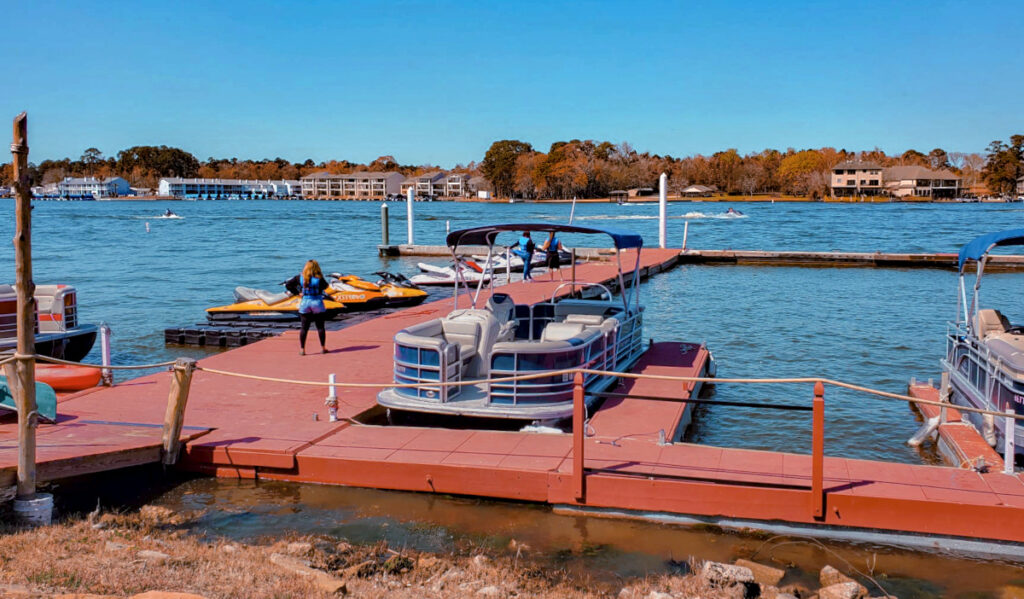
(174, 417)
(23, 387)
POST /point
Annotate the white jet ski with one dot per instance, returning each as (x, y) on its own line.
(469, 271)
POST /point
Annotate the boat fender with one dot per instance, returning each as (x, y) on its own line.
(988, 429)
(927, 430)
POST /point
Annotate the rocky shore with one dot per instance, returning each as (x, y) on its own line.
(152, 555)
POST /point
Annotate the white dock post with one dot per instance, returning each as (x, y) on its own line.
(662, 206)
(411, 196)
(1008, 441)
(105, 374)
(686, 231)
(332, 400)
(447, 227)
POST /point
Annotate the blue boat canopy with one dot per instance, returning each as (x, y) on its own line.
(979, 246)
(485, 235)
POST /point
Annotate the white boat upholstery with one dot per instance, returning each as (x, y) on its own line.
(990, 322)
(561, 331)
(428, 335)
(1009, 348)
(585, 319)
(465, 333)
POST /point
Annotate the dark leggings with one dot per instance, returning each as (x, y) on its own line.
(305, 319)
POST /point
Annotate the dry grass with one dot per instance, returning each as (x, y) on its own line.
(101, 556)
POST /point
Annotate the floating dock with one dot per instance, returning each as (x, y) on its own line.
(945, 261)
(842, 259)
(626, 465)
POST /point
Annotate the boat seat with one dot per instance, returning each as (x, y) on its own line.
(1009, 348)
(585, 319)
(502, 307)
(561, 331)
(463, 332)
(990, 322)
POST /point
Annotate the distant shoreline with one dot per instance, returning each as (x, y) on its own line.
(718, 199)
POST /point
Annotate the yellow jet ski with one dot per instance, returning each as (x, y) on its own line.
(399, 290)
(260, 304)
(395, 292)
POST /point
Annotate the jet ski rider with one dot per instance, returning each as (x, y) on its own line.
(524, 248)
(311, 285)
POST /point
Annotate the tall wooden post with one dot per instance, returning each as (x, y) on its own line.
(24, 390)
(174, 417)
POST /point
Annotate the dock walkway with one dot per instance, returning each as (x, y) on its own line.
(259, 429)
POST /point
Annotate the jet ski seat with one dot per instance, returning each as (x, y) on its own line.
(245, 294)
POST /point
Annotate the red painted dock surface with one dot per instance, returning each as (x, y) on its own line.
(267, 430)
(958, 441)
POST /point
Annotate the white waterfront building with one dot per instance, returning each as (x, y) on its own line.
(355, 186)
(111, 187)
(229, 188)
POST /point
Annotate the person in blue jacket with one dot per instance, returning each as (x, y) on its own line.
(311, 284)
(551, 248)
(524, 248)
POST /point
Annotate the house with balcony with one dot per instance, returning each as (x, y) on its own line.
(354, 186)
(437, 185)
(918, 181)
(1020, 186)
(854, 178)
(427, 184)
(96, 188)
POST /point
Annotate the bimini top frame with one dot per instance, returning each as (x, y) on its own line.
(978, 250)
(486, 235)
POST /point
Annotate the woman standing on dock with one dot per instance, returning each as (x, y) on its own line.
(551, 248)
(311, 284)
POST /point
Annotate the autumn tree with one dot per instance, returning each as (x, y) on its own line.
(90, 158)
(499, 164)
(938, 159)
(1004, 164)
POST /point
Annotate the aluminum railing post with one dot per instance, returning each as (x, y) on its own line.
(818, 452)
(1008, 441)
(579, 479)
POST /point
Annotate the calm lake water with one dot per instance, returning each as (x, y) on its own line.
(873, 327)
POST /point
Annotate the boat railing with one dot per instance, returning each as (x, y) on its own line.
(981, 364)
(598, 353)
(428, 366)
(429, 370)
(581, 284)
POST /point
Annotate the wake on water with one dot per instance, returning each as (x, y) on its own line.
(687, 216)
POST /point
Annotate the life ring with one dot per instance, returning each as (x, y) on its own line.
(67, 378)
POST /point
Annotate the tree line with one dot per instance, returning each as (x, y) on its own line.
(595, 169)
(576, 168)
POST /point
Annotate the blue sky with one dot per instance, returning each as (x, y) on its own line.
(438, 82)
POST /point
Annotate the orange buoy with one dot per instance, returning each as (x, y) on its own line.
(67, 378)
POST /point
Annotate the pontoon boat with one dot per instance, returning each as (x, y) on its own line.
(58, 333)
(499, 338)
(984, 351)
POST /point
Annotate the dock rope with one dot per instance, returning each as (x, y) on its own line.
(53, 360)
(661, 377)
(545, 374)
